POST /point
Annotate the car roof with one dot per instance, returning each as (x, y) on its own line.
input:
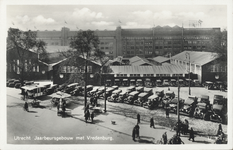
(153, 96)
(117, 91)
(133, 93)
(143, 94)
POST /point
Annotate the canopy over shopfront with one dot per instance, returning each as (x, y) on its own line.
(152, 71)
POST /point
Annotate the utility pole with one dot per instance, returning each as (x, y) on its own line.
(188, 55)
(178, 103)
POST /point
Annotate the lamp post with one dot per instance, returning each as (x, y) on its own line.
(178, 103)
(188, 56)
(105, 98)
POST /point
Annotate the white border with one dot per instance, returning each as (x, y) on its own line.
(3, 33)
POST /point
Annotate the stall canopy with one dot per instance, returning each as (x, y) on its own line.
(168, 69)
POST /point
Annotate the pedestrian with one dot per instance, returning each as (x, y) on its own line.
(191, 134)
(137, 131)
(92, 116)
(219, 129)
(26, 106)
(167, 112)
(86, 116)
(164, 136)
(138, 117)
(58, 107)
(152, 122)
(91, 100)
(25, 95)
(178, 128)
(186, 126)
(133, 133)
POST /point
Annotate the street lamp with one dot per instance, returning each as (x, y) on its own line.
(216, 77)
(61, 76)
(105, 97)
(178, 104)
(188, 56)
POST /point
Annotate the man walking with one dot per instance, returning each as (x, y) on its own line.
(137, 131)
(164, 136)
(152, 122)
(191, 134)
(92, 116)
(133, 133)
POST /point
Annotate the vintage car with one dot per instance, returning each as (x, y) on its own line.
(77, 91)
(189, 106)
(108, 82)
(196, 83)
(51, 89)
(209, 85)
(34, 90)
(132, 82)
(152, 102)
(140, 89)
(114, 96)
(122, 97)
(173, 104)
(131, 97)
(13, 82)
(189, 81)
(149, 91)
(69, 88)
(160, 94)
(18, 85)
(158, 82)
(166, 82)
(100, 91)
(173, 82)
(9, 82)
(139, 82)
(61, 87)
(200, 110)
(93, 91)
(219, 109)
(169, 95)
(125, 82)
(117, 82)
(204, 99)
(142, 97)
(108, 91)
(131, 89)
(219, 85)
(148, 82)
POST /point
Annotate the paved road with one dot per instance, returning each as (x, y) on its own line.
(44, 123)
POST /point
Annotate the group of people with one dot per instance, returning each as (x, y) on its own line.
(87, 114)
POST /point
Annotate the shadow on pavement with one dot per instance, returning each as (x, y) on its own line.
(145, 139)
(204, 142)
(32, 111)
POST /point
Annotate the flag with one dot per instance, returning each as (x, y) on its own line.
(119, 21)
(65, 22)
(13, 23)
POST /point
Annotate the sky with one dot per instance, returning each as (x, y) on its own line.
(108, 17)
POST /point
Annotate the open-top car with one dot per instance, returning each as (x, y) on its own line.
(122, 96)
(132, 97)
(114, 96)
(152, 102)
(139, 82)
(142, 97)
(189, 106)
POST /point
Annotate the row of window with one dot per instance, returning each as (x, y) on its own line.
(169, 37)
(73, 69)
(150, 75)
(218, 68)
(28, 66)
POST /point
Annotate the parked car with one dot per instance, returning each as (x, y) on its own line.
(200, 110)
(10, 81)
(167, 98)
(131, 89)
(189, 81)
(173, 104)
(70, 87)
(209, 85)
(114, 96)
(28, 82)
(132, 97)
(219, 85)
(140, 89)
(125, 82)
(77, 91)
(166, 82)
(122, 97)
(93, 91)
(109, 91)
(204, 99)
(139, 82)
(18, 85)
(148, 90)
(160, 94)
(142, 97)
(12, 84)
(180, 82)
(152, 102)
(61, 87)
(100, 91)
(189, 106)
(196, 83)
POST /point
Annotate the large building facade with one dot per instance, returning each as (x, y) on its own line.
(146, 42)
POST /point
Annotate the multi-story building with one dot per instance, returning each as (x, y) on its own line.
(146, 42)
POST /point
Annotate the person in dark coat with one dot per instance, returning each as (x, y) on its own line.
(186, 123)
(86, 116)
(191, 134)
(26, 106)
(92, 100)
(219, 129)
(164, 136)
(133, 133)
(138, 117)
(92, 116)
(137, 131)
(178, 128)
(152, 124)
